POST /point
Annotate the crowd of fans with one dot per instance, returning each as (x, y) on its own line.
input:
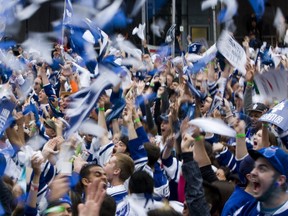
(136, 153)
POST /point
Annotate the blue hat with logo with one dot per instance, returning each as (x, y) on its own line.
(277, 157)
(194, 48)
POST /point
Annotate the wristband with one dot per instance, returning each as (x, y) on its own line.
(101, 109)
(240, 135)
(251, 84)
(55, 209)
(265, 125)
(151, 85)
(137, 120)
(34, 187)
(198, 138)
(33, 129)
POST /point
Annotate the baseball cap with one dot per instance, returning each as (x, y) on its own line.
(277, 157)
(50, 123)
(245, 167)
(258, 107)
(164, 117)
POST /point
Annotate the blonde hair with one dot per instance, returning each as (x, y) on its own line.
(126, 164)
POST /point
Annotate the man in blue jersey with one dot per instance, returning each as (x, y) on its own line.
(269, 178)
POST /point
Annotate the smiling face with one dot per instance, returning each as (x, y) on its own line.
(254, 115)
(97, 172)
(263, 178)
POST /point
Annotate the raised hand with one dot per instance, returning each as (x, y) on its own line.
(36, 162)
(239, 127)
(58, 187)
(187, 143)
(250, 71)
(96, 194)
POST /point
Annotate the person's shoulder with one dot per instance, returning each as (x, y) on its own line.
(250, 208)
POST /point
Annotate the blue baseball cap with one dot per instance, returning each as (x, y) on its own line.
(277, 157)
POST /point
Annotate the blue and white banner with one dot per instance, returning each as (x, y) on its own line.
(170, 35)
(277, 115)
(85, 100)
(6, 108)
(68, 12)
(232, 51)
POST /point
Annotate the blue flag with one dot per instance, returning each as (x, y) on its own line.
(258, 7)
(6, 108)
(84, 101)
(170, 35)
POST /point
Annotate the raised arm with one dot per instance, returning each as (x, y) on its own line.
(31, 202)
(194, 192)
(241, 148)
(102, 120)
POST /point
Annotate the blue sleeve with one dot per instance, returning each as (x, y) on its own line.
(30, 211)
(167, 162)
(49, 90)
(137, 151)
(74, 179)
(142, 135)
(46, 176)
(226, 158)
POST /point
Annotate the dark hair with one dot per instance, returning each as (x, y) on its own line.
(108, 207)
(141, 182)
(153, 153)
(217, 193)
(125, 139)
(84, 173)
(75, 200)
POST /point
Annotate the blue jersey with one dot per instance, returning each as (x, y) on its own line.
(253, 208)
(118, 193)
(238, 198)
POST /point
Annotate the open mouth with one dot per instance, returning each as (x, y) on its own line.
(256, 187)
(255, 143)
